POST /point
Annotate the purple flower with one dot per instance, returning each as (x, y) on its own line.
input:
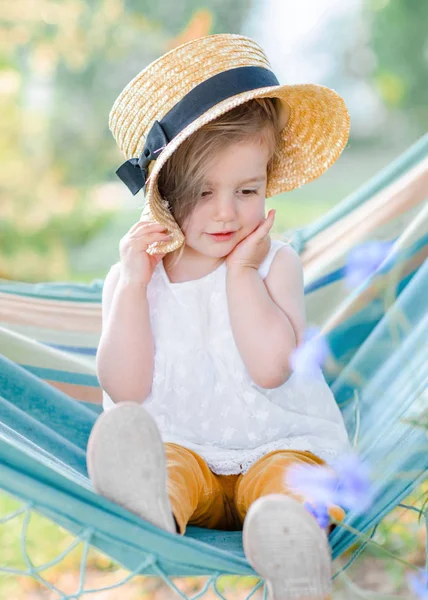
(419, 584)
(364, 260)
(311, 354)
(354, 485)
(316, 482)
(345, 483)
(320, 512)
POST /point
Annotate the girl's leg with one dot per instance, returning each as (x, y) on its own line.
(282, 540)
(127, 464)
(267, 476)
(197, 495)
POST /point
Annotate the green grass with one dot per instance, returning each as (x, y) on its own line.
(44, 541)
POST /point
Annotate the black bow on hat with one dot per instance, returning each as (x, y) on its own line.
(134, 172)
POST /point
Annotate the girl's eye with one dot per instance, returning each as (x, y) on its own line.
(243, 191)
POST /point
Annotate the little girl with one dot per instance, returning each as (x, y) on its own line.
(203, 415)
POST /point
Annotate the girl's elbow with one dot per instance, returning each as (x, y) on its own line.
(271, 381)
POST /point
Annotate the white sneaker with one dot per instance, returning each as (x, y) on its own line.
(285, 544)
(127, 464)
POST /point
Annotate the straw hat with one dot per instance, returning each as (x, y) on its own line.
(195, 83)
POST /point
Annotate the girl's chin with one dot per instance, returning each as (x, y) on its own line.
(220, 249)
(210, 249)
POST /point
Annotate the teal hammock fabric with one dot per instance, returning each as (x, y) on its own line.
(378, 372)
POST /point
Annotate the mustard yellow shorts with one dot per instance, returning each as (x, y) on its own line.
(202, 498)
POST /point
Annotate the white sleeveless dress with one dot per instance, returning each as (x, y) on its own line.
(202, 396)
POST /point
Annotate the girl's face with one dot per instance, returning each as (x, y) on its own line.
(233, 199)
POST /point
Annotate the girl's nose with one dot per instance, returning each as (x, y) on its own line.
(225, 209)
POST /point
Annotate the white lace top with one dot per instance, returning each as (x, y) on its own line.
(202, 396)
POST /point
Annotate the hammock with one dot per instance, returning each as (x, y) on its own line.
(50, 396)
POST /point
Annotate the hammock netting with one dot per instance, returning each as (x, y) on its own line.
(50, 396)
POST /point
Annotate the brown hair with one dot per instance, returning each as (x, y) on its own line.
(182, 178)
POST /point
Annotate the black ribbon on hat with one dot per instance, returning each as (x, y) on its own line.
(134, 172)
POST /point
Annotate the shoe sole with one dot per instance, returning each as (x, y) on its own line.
(285, 544)
(127, 464)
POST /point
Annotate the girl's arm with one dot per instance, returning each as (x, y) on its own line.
(268, 317)
(125, 353)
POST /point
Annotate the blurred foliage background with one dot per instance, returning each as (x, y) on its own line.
(63, 63)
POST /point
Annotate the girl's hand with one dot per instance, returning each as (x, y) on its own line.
(252, 250)
(137, 265)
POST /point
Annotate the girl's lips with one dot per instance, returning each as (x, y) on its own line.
(221, 237)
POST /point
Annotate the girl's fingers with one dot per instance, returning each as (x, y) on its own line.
(144, 228)
(268, 222)
(136, 226)
(143, 223)
(271, 215)
(152, 237)
(148, 225)
(270, 218)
